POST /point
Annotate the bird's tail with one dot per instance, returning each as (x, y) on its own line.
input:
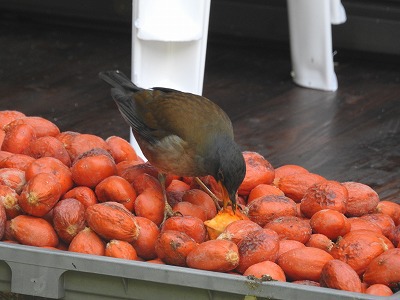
(119, 80)
(122, 92)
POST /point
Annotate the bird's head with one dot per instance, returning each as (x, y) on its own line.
(230, 174)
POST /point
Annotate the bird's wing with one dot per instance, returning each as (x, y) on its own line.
(128, 109)
(147, 113)
(123, 93)
(189, 116)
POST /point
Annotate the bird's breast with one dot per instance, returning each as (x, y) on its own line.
(174, 156)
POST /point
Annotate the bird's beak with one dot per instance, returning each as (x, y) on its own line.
(226, 197)
(225, 194)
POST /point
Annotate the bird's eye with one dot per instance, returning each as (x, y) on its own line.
(220, 175)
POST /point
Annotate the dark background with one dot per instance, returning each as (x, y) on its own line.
(372, 25)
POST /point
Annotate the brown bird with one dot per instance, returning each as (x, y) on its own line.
(180, 133)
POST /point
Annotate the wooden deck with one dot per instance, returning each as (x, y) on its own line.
(352, 134)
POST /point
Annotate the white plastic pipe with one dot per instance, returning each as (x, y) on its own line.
(311, 41)
(169, 42)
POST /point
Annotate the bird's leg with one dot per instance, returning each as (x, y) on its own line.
(208, 191)
(168, 212)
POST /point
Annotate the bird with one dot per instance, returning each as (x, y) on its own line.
(180, 133)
